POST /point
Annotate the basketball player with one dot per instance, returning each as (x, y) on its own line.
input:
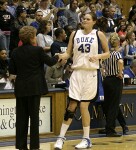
(83, 81)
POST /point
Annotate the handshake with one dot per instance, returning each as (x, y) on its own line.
(62, 57)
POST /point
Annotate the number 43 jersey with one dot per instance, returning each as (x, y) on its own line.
(84, 46)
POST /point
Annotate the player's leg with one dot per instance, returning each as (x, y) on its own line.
(68, 116)
(85, 143)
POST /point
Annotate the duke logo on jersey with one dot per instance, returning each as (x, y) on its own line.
(85, 39)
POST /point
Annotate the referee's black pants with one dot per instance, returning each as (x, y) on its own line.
(112, 96)
(27, 107)
(120, 116)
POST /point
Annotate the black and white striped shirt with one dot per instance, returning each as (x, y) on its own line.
(111, 64)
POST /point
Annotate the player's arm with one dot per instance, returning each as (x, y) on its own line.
(69, 50)
(105, 46)
(105, 49)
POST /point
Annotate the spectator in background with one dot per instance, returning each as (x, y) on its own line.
(117, 14)
(129, 28)
(81, 10)
(4, 70)
(112, 24)
(54, 74)
(68, 30)
(105, 12)
(43, 39)
(106, 3)
(122, 30)
(72, 15)
(132, 18)
(130, 50)
(2, 40)
(18, 23)
(130, 72)
(85, 8)
(61, 19)
(48, 13)
(38, 18)
(99, 4)
(59, 46)
(32, 8)
(6, 20)
(35, 4)
(98, 13)
(102, 23)
(4, 64)
(12, 7)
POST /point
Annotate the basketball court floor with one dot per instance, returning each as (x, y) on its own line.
(127, 142)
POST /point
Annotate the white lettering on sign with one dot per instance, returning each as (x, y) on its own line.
(8, 116)
(133, 81)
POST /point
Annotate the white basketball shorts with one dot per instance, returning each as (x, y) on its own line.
(83, 85)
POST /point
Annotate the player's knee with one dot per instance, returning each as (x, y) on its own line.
(68, 114)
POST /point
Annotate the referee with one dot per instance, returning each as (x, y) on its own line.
(113, 84)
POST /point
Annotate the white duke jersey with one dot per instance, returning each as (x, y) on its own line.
(84, 47)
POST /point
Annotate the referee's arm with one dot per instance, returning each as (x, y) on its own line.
(121, 67)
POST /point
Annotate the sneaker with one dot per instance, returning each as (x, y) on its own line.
(59, 143)
(85, 143)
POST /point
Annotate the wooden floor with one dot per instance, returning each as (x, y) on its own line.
(127, 142)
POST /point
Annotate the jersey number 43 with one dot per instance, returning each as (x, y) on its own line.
(84, 48)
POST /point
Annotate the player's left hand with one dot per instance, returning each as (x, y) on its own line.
(93, 58)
